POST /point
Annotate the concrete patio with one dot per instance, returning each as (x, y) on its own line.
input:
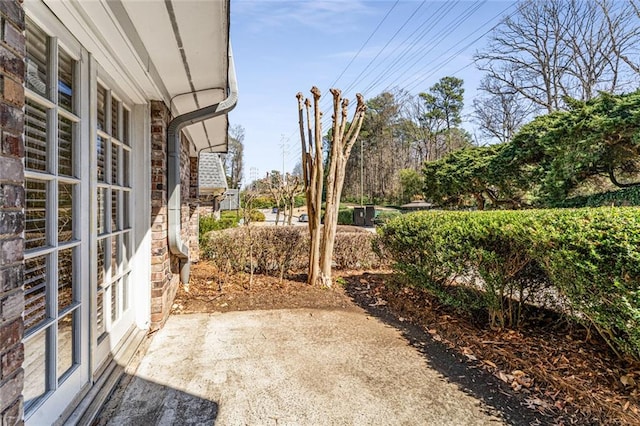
(287, 367)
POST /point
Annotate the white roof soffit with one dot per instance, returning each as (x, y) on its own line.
(174, 50)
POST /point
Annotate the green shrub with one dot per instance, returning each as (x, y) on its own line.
(210, 223)
(300, 201)
(588, 259)
(621, 197)
(256, 216)
(385, 216)
(263, 202)
(345, 217)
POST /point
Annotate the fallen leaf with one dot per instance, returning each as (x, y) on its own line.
(518, 373)
(507, 378)
(627, 380)
(490, 363)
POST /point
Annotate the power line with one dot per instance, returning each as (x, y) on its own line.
(364, 44)
(386, 45)
(453, 26)
(440, 13)
(465, 47)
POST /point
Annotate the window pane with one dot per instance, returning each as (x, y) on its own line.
(35, 368)
(65, 146)
(125, 126)
(115, 255)
(35, 234)
(65, 212)
(100, 313)
(102, 199)
(125, 293)
(101, 147)
(65, 279)
(115, 204)
(65, 80)
(35, 136)
(114, 164)
(126, 249)
(115, 118)
(35, 291)
(101, 263)
(126, 196)
(115, 289)
(66, 343)
(102, 108)
(37, 53)
(125, 168)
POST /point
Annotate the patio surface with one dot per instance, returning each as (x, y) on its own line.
(287, 367)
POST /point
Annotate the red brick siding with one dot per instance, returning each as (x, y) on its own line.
(12, 53)
(165, 272)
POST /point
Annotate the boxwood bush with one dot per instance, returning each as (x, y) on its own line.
(502, 261)
(345, 217)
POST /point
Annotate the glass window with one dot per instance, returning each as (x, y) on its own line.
(66, 66)
(37, 61)
(65, 146)
(35, 136)
(50, 217)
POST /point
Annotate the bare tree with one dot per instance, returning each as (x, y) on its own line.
(292, 188)
(623, 29)
(234, 159)
(550, 49)
(526, 53)
(343, 137)
(500, 112)
(274, 185)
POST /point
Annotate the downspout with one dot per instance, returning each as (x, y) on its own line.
(176, 246)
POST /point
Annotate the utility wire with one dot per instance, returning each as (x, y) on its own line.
(410, 46)
(364, 44)
(461, 50)
(451, 27)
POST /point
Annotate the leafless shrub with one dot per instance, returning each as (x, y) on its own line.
(277, 250)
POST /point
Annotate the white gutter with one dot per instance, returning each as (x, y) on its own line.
(176, 246)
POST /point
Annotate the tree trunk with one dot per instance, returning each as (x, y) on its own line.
(323, 239)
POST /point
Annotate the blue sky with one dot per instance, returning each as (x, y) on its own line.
(285, 47)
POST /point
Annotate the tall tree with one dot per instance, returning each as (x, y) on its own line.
(234, 159)
(500, 111)
(559, 152)
(343, 136)
(442, 114)
(550, 49)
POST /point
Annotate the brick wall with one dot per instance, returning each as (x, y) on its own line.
(165, 268)
(194, 210)
(12, 52)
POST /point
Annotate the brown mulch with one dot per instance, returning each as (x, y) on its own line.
(560, 370)
(565, 372)
(212, 291)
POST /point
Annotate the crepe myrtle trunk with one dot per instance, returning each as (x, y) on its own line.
(343, 136)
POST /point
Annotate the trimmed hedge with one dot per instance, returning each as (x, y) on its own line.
(500, 262)
(345, 217)
(274, 250)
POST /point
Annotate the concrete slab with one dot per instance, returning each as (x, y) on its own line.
(288, 367)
